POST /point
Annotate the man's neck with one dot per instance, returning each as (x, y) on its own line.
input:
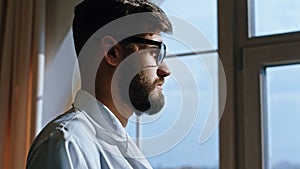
(121, 111)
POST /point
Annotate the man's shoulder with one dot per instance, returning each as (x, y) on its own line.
(62, 127)
(65, 121)
(63, 139)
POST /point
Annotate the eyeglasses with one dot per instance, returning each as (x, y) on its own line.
(160, 52)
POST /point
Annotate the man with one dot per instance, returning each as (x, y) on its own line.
(128, 79)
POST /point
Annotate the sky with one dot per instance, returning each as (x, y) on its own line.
(283, 104)
(270, 17)
(276, 16)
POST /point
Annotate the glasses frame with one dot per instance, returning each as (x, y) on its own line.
(161, 46)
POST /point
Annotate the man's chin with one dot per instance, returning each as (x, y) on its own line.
(155, 103)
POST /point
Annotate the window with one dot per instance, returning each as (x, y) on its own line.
(268, 17)
(264, 71)
(249, 41)
(205, 20)
(282, 117)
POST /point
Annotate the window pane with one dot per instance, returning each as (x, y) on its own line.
(187, 152)
(274, 17)
(283, 114)
(205, 20)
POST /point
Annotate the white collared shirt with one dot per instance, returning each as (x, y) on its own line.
(88, 136)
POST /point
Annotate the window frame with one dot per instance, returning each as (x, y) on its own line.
(244, 59)
(256, 59)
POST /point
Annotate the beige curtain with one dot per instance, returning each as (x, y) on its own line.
(21, 44)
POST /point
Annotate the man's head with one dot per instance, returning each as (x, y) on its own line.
(91, 15)
(147, 49)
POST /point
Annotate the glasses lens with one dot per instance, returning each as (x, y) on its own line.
(162, 54)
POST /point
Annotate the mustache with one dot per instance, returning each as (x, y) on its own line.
(158, 81)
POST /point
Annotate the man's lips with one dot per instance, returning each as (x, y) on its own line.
(159, 85)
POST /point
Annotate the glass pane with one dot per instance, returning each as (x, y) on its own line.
(201, 14)
(274, 17)
(176, 130)
(182, 148)
(283, 113)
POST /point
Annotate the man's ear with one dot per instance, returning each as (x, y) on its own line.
(113, 51)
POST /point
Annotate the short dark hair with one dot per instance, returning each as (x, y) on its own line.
(91, 15)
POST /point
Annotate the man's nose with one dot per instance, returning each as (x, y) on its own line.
(163, 70)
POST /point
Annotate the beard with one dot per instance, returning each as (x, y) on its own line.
(143, 96)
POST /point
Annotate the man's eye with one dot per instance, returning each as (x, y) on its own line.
(154, 52)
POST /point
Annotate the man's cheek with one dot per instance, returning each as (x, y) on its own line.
(150, 75)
